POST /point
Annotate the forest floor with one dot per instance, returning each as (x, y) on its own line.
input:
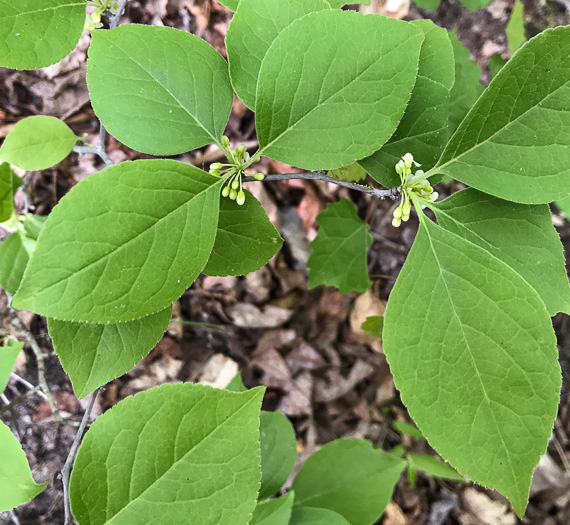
(306, 346)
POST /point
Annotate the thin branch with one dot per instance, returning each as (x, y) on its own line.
(393, 193)
(66, 470)
(98, 149)
(27, 384)
(114, 21)
(20, 398)
(40, 358)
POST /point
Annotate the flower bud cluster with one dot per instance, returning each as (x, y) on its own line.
(234, 171)
(415, 184)
(93, 20)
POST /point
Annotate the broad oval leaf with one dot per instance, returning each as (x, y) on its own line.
(179, 453)
(479, 370)
(333, 87)
(245, 238)
(312, 516)
(124, 243)
(36, 143)
(515, 28)
(157, 89)
(8, 355)
(275, 511)
(514, 142)
(6, 192)
(278, 451)
(230, 4)
(253, 28)
(519, 234)
(339, 251)
(94, 354)
(423, 129)
(16, 483)
(349, 477)
(15, 252)
(38, 33)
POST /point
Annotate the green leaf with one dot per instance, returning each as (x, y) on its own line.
(15, 253)
(157, 89)
(8, 355)
(472, 351)
(406, 428)
(94, 354)
(423, 129)
(467, 88)
(245, 238)
(496, 63)
(434, 467)
(350, 477)
(373, 325)
(310, 516)
(34, 224)
(514, 142)
(278, 451)
(253, 28)
(430, 5)
(473, 5)
(275, 511)
(518, 234)
(36, 143)
(6, 192)
(178, 453)
(236, 384)
(515, 28)
(338, 252)
(230, 4)
(16, 483)
(336, 4)
(38, 33)
(351, 173)
(333, 87)
(124, 243)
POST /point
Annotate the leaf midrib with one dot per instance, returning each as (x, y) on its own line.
(49, 8)
(188, 112)
(118, 248)
(471, 355)
(439, 167)
(109, 519)
(380, 57)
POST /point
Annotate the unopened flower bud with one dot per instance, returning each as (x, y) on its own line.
(433, 197)
(233, 194)
(406, 207)
(216, 166)
(258, 176)
(235, 184)
(419, 173)
(396, 221)
(225, 191)
(225, 142)
(240, 150)
(408, 158)
(240, 198)
(397, 212)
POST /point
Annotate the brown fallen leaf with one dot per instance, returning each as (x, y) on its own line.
(366, 305)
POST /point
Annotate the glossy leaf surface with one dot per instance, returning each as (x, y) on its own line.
(178, 453)
(514, 142)
(423, 129)
(339, 251)
(16, 483)
(245, 238)
(128, 253)
(252, 30)
(57, 24)
(520, 235)
(157, 89)
(333, 87)
(349, 477)
(36, 143)
(94, 354)
(479, 371)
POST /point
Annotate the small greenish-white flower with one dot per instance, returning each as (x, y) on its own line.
(233, 194)
(240, 198)
(258, 176)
